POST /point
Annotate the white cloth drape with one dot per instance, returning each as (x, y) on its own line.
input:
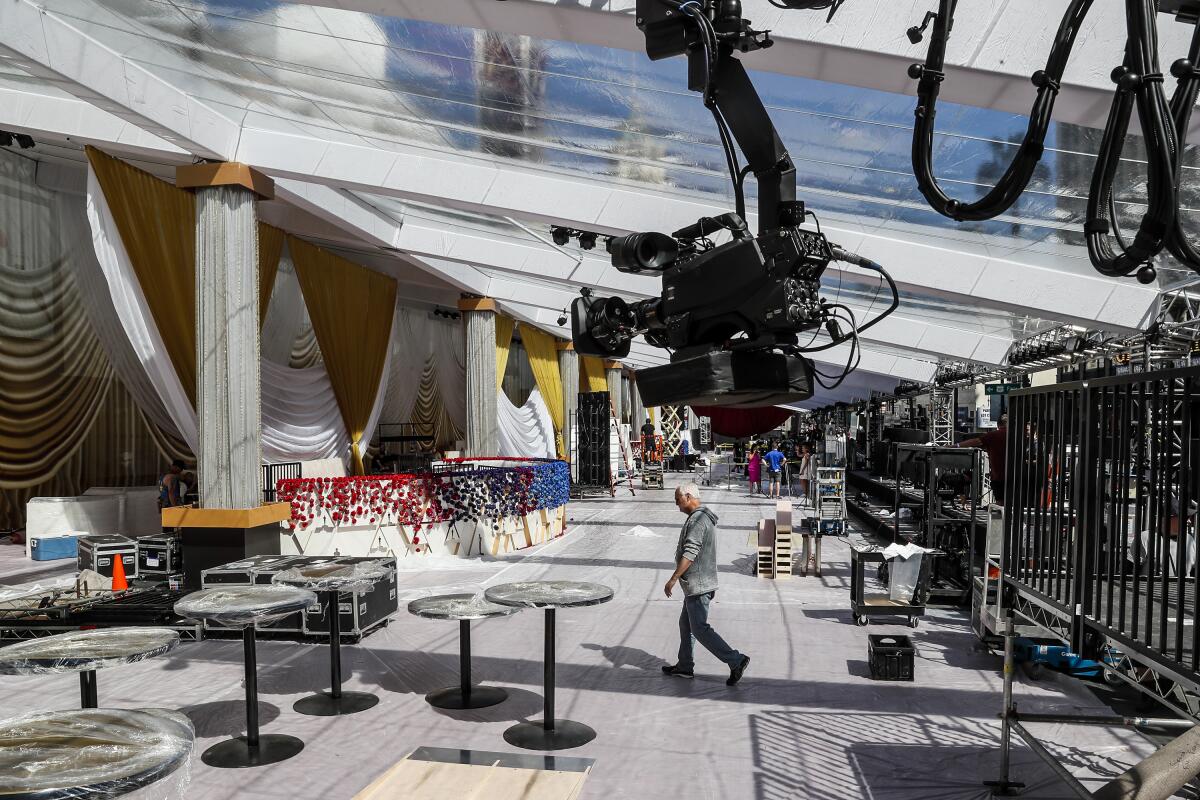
(527, 431)
(300, 417)
(285, 314)
(130, 306)
(416, 339)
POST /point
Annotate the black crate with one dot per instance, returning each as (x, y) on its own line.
(241, 572)
(361, 611)
(97, 553)
(892, 658)
(159, 555)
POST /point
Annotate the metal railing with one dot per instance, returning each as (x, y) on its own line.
(1100, 525)
(273, 473)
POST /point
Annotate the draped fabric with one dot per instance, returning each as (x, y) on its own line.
(300, 418)
(137, 320)
(740, 422)
(157, 227)
(543, 359)
(504, 334)
(524, 432)
(437, 402)
(351, 309)
(591, 375)
(286, 317)
(270, 248)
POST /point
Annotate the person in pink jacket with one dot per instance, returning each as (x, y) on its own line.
(754, 471)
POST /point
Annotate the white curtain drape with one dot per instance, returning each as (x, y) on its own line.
(527, 431)
(417, 339)
(130, 307)
(285, 314)
(300, 417)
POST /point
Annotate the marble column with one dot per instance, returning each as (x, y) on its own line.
(479, 314)
(228, 369)
(637, 413)
(568, 367)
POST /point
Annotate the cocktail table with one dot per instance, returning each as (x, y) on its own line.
(550, 733)
(85, 652)
(331, 580)
(106, 752)
(464, 608)
(241, 607)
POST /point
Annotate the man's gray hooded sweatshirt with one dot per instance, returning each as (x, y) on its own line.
(698, 544)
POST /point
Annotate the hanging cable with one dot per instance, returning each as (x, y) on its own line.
(1187, 72)
(1138, 82)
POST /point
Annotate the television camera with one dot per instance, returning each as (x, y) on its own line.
(730, 313)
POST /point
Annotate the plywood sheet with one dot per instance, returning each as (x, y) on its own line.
(434, 780)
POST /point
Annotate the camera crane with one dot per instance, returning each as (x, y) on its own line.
(730, 314)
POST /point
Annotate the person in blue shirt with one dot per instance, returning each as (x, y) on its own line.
(774, 460)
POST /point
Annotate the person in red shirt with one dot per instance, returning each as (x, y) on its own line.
(995, 443)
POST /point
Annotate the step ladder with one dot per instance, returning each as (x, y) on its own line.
(652, 465)
(622, 445)
(783, 539)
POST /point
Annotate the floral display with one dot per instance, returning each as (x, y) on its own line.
(467, 490)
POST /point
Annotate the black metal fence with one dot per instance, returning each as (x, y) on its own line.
(1102, 482)
(273, 473)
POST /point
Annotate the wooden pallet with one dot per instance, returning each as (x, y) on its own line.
(766, 549)
(783, 539)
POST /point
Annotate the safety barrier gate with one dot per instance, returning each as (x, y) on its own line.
(1102, 483)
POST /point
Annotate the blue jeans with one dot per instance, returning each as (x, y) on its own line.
(693, 622)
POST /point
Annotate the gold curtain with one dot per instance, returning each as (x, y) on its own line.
(504, 335)
(351, 309)
(543, 359)
(157, 223)
(270, 250)
(591, 375)
(653, 412)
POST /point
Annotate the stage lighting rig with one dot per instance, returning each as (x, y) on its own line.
(733, 303)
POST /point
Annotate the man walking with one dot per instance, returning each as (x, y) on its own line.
(696, 572)
(774, 460)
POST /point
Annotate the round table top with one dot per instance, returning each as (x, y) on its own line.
(356, 577)
(459, 606)
(78, 651)
(549, 594)
(91, 752)
(239, 606)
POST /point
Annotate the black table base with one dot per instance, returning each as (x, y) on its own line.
(326, 704)
(238, 752)
(563, 735)
(251, 750)
(87, 689)
(465, 695)
(550, 733)
(335, 703)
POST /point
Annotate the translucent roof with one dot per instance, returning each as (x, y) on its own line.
(599, 112)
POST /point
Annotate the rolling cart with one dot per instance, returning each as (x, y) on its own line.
(880, 604)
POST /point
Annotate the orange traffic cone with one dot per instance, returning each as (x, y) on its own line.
(119, 583)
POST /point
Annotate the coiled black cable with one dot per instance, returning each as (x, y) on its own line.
(1183, 101)
(1016, 178)
(1138, 82)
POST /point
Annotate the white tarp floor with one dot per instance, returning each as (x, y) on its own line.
(806, 721)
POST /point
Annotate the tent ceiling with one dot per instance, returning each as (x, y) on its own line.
(443, 133)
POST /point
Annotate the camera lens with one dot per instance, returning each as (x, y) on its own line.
(643, 252)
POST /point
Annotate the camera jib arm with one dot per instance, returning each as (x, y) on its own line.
(720, 77)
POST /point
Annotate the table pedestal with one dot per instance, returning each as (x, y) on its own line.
(335, 702)
(252, 750)
(87, 689)
(550, 733)
(465, 695)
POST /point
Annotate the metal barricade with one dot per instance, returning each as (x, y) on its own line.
(1100, 523)
(273, 473)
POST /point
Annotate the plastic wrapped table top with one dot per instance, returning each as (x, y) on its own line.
(357, 577)
(459, 606)
(78, 651)
(240, 606)
(91, 752)
(549, 594)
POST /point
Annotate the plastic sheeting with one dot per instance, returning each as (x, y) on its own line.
(357, 577)
(86, 650)
(239, 606)
(459, 606)
(527, 431)
(549, 594)
(91, 752)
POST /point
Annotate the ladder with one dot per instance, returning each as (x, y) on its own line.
(622, 446)
(652, 465)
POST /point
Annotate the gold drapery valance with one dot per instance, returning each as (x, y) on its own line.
(351, 309)
(504, 335)
(591, 375)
